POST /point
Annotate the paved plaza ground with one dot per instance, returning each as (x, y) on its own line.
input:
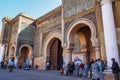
(33, 74)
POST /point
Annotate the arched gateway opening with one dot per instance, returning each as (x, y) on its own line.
(81, 37)
(55, 56)
(82, 44)
(25, 54)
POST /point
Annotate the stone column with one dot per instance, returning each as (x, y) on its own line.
(109, 31)
(68, 56)
(97, 51)
(16, 61)
(85, 56)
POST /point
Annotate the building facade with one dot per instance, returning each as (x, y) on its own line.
(88, 29)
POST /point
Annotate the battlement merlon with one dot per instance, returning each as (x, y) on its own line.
(6, 19)
(27, 16)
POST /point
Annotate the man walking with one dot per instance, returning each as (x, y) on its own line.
(115, 69)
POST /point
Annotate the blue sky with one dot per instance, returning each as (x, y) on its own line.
(35, 8)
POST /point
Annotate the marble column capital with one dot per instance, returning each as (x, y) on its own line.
(68, 50)
(106, 2)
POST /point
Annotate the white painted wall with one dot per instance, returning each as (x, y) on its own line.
(2, 48)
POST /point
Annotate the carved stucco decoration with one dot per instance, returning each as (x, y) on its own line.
(82, 21)
(27, 33)
(72, 7)
(91, 16)
(14, 32)
(5, 34)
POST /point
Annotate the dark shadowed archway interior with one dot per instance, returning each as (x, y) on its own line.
(25, 54)
(56, 58)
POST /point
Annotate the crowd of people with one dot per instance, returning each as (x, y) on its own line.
(4, 64)
(11, 65)
(93, 69)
